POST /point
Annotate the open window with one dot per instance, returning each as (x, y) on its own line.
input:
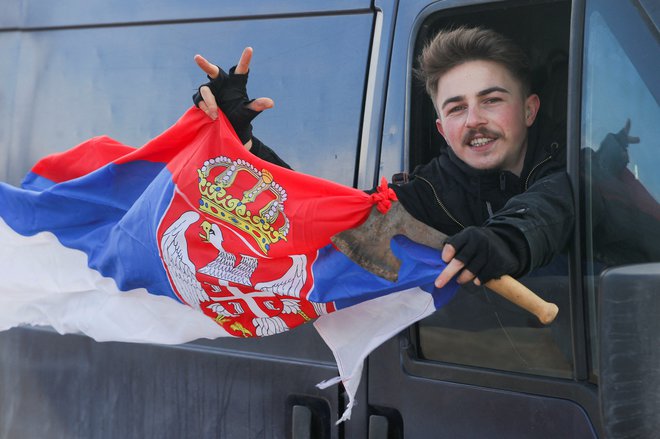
(478, 328)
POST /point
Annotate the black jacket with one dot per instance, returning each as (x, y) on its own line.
(265, 153)
(534, 211)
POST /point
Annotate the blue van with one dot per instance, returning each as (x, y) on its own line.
(347, 109)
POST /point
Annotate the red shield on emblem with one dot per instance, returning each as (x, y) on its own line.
(225, 217)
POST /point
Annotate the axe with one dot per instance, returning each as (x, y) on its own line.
(368, 245)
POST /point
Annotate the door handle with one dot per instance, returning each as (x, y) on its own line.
(301, 422)
(378, 427)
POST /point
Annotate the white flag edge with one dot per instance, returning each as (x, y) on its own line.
(353, 333)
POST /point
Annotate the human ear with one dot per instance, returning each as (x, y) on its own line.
(438, 126)
(532, 104)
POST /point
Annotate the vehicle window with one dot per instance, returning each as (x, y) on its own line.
(119, 73)
(620, 146)
(478, 327)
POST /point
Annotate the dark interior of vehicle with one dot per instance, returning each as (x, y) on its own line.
(540, 28)
(479, 328)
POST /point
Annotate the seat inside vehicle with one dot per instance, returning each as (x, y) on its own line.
(541, 29)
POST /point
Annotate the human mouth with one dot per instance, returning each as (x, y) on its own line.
(480, 141)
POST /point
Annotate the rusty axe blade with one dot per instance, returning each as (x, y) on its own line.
(369, 246)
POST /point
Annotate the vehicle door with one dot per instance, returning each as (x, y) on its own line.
(76, 69)
(480, 367)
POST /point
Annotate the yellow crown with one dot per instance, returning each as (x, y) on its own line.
(268, 224)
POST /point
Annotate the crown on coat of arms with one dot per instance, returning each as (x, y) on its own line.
(264, 220)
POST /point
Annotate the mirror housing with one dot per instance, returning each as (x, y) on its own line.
(629, 342)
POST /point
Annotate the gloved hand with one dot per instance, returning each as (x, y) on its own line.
(228, 91)
(612, 156)
(230, 94)
(482, 254)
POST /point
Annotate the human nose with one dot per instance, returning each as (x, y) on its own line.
(474, 117)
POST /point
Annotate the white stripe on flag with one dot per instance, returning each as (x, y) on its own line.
(47, 284)
(44, 283)
(353, 333)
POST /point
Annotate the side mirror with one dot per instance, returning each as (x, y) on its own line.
(629, 331)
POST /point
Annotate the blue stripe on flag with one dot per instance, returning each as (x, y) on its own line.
(36, 182)
(112, 215)
(338, 279)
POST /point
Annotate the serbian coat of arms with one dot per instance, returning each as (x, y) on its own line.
(216, 242)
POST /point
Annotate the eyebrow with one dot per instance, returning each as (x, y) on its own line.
(481, 93)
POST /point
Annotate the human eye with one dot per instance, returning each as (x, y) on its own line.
(454, 109)
(493, 100)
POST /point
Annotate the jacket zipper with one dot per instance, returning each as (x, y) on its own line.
(437, 199)
(490, 209)
(554, 145)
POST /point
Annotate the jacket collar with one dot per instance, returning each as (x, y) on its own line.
(480, 180)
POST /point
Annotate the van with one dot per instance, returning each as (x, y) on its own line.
(348, 109)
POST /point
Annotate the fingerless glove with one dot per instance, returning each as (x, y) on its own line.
(230, 92)
(491, 252)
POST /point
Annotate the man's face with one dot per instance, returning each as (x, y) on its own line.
(484, 116)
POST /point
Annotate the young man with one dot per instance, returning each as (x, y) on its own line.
(505, 199)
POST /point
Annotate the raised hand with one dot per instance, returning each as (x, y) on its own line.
(228, 91)
(612, 156)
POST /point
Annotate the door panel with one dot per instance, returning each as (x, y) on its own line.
(69, 83)
(439, 408)
(480, 367)
(72, 387)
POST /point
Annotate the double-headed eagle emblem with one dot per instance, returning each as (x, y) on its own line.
(264, 223)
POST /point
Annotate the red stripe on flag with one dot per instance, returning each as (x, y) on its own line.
(81, 160)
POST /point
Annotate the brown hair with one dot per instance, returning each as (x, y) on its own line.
(450, 48)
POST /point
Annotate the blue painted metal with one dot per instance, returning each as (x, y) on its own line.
(132, 82)
(66, 13)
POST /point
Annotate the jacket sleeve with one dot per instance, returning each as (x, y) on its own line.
(420, 201)
(544, 214)
(265, 153)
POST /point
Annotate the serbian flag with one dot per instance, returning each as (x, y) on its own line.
(191, 236)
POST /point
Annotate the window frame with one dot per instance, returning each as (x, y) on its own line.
(590, 280)
(576, 25)
(585, 393)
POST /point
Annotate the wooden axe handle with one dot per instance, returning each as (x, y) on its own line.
(512, 290)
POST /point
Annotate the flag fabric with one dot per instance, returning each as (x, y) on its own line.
(191, 236)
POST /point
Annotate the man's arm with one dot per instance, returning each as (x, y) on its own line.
(527, 233)
(265, 153)
(545, 216)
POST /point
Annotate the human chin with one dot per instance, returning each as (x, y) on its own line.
(483, 164)
(481, 158)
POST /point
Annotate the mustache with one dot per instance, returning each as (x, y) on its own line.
(485, 132)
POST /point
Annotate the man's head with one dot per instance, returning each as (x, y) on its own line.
(479, 83)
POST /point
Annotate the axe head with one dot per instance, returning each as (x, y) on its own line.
(368, 245)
